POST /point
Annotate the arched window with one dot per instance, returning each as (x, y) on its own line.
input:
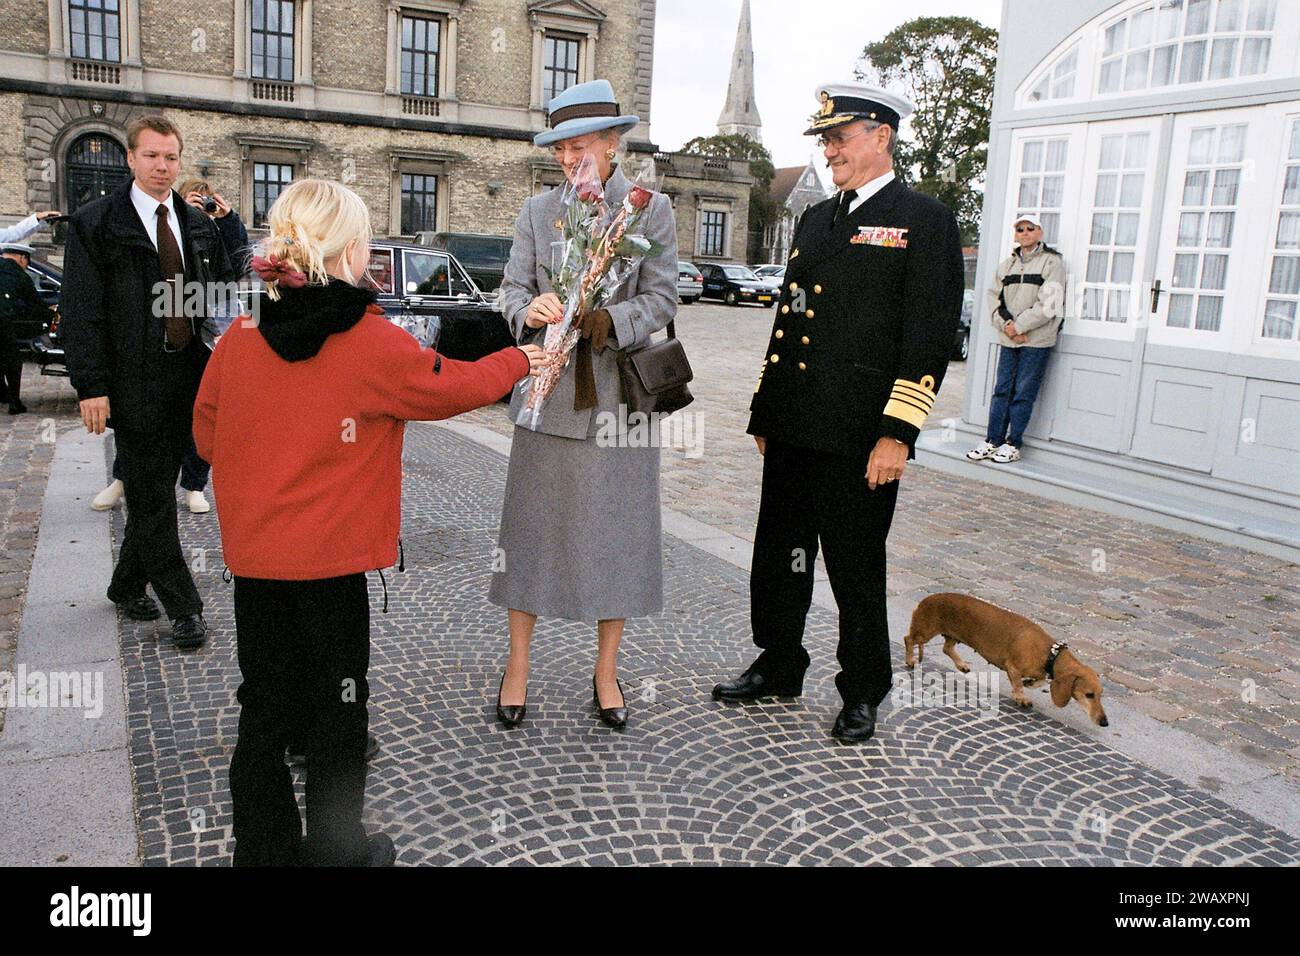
(95, 164)
(1057, 82)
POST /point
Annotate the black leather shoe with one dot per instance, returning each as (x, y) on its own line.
(143, 608)
(17, 408)
(856, 723)
(295, 757)
(381, 850)
(188, 632)
(615, 717)
(512, 715)
(752, 685)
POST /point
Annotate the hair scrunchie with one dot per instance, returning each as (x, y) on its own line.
(280, 271)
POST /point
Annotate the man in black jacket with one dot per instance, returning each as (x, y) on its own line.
(19, 301)
(135, 358)
(872, 298)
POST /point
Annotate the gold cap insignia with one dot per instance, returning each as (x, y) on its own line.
(828, 105)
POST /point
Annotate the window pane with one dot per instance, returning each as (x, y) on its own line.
(1126, 229)
(1279, 320)
(1185, 271)
(1112, 152)
(1167, 23)
(1219, 233)
(1209, 310)
(1180, 311)
(1201, 149)
(1214, 272)
(1121, 268)
(1162, 65)
(1295, 140)
(1262, 14)
(1254, 56)
(1285, 279)
(1098, 264)
(1117, 310)
(1051, 226)
(1091, 306)
(1196, 187)
(1039, 92)
(1222, 56)
(1029, 191)
(1232, 144)
(1107, 189)
(1115, 37)
(1102, 228)
(1056, 155)
(1139, 31)
(1189, 229)
(1063, 88)
(1135, 70)
(1198, 17)
(1033, 157)
(1130, 194)
(1229, 17)
(1193, 70)
(1111, 73)
(1135, 150)
(1053, 191)
(1291, 191)
(1226, 182)
(1288, 231)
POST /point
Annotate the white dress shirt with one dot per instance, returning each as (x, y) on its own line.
(147, 208)
(869, 190)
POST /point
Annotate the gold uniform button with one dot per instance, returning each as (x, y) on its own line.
(804, 340)
(817, 289)
(794, 287)
(803, 367)
(780, 333)
(809, 313)
(775, 358)
(785, 310)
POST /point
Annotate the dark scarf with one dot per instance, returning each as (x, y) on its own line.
(297, 325)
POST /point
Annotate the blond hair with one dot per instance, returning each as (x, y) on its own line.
(311, 222)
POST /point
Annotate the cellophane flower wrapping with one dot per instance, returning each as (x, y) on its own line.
(599, 249)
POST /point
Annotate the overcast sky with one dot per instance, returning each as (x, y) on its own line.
(798, 44)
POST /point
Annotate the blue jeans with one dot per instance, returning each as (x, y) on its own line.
(1020, 373)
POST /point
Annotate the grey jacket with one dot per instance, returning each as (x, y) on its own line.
(1034, 287)
(645, 303)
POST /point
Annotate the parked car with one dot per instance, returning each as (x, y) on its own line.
(735, 284)
(483, 257)
(961, 348)
(690, 283)
(48, 280)
(770, 271)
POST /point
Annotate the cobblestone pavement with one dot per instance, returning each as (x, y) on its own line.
(1198, 635)
(690, 779)
(26, 448)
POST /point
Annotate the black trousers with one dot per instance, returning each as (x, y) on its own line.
(813, 499)
(11, 367)
(304, 648)
(149, 460)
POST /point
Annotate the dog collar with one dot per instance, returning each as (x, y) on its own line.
(1055, 653)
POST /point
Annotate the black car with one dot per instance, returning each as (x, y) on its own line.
(735, 284)
(47, 280)
(483, 257)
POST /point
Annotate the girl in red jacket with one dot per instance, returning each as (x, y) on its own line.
(301, 413)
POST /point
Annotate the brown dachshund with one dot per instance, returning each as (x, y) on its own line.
(1006, 640)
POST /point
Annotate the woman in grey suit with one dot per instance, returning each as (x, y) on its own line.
(580, 532)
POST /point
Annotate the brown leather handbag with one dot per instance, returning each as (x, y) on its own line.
(654, 378)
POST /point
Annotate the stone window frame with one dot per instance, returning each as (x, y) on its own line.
(302, 49)
(125, 72)
(421, 162)
(257, 149)
(722, 204)
(574, 19)
(447, 13)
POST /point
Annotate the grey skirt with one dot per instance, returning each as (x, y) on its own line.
(580, 530)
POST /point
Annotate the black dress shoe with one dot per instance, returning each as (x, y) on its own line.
(296, 756)
(17, 408)
(512, 715)
(856, 723)
(381, 851)
(615, 717)
(142, 608)
(188, 632)
(752, 685)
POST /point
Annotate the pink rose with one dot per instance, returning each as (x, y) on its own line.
(590, 193)
(639, 198)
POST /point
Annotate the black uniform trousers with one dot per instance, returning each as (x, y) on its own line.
(304, 648)
(11, 367)
(811, 498)
(149, 460)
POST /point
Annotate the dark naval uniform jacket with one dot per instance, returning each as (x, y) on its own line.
(865, 325)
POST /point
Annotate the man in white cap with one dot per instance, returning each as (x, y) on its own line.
(1026, 305)
(19, 302)
(872, 298)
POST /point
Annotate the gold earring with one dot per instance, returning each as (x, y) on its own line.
(611, 153)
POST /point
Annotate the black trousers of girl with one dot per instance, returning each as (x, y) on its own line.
(304, 648)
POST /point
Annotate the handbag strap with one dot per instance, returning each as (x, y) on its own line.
(672, 332)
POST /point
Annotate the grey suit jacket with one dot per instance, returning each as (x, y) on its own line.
(645, 303)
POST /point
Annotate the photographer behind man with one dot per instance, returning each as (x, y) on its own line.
(137, 371)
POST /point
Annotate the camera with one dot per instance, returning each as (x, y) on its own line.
(209, 204)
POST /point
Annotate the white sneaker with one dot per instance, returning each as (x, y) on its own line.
(197, 503)
(1006, 454)
(107, 499)
(983, 450)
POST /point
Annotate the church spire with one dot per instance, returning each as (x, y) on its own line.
(740, 114)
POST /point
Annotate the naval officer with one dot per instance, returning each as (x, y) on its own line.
(863, 332)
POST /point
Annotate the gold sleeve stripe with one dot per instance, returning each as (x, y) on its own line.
(907, 413)
(911, 395)
(904, 400)
(921, 388)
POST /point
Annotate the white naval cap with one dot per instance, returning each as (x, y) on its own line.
(845, 102)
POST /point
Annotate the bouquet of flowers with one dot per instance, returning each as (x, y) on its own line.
(599, 250)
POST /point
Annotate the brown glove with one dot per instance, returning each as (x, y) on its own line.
(595, 326)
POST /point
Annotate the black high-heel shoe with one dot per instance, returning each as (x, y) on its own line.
(615, 717)
(512, 715)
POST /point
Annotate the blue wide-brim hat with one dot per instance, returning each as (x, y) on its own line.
(582, 109)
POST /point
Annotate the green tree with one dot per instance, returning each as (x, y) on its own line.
(945, 66)
(762, 209)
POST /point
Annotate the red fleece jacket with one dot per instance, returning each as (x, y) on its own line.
(307, 456)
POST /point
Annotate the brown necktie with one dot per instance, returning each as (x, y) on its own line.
(177, 327)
